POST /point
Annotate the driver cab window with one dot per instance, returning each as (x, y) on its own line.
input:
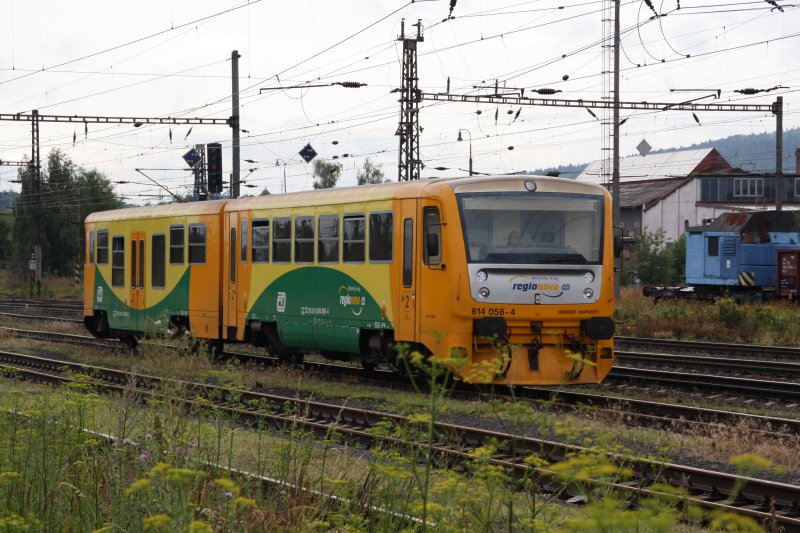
(433, 236)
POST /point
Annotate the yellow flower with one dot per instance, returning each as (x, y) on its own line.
(751, 462)
(156, 521)
(136, 486)
(243, 502)
(227, 484)
(198, 526)
(159, 470)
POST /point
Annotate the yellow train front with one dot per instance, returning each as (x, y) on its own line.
(517, 276)
(509, 278)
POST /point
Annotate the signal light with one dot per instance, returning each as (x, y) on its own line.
(214, 160)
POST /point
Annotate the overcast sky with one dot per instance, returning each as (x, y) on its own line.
(159, 58)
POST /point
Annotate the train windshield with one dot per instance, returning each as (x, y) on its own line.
(524, 228)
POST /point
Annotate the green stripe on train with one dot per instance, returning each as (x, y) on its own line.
(154, 319)
(321, 308)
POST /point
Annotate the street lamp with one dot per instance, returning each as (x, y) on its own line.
(470, 146)
(277, 164)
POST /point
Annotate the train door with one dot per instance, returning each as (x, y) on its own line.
(137, 294)
(712, 263)
(405, 322)
(433, 286)
(232, 248)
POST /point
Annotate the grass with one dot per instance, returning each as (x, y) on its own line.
(17, 285)
(724, 320)
(154, 478)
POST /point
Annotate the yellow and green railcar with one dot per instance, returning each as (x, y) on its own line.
(154, 269)
(511, 278)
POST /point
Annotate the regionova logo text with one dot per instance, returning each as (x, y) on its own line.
(351, 297)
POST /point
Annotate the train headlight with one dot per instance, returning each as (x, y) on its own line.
(589, 277)
(588, 293)
(481, 275)
(483, 292)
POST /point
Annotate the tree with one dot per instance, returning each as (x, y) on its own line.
(658, 262)
(326, 174)
(67, 194)
(5, 242)
(370, 174)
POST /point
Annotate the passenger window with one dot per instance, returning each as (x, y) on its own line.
(117, 261)
(380, 237)
(353, 228)
(260, 253)
(282, 240)
(158, 262)
(304, 240)
(328, 239)
(91, 247)
(432, 246)
(244, 241)
(102, 247)
(176, 244)
(197, 244)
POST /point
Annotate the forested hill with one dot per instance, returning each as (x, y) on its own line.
(752, 153)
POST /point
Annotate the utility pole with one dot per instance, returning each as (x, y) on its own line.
(408, 130)
(35, 263)
(234, 120)
(615, 201)
(778, 110)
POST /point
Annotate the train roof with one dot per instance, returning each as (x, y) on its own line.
(342, 195)
(751, 222)
(159, 211)
(411, 189)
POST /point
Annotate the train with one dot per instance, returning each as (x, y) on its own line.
(505, 279)
(743, 255)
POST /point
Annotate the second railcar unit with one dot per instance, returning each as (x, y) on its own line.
(511, 276)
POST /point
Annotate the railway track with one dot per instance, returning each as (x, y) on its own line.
(764, 500)
(643, 413)
(710, 348)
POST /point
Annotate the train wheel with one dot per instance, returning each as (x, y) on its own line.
(369, 366)
(130, 341)
(290, 358)
(215, 350)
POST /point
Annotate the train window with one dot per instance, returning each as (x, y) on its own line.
(353, 227)
(91, 247)
(713, 246)
(243, 246)
(197, 244)
(176, 244)
(133, 263)
(102, 247)
(117, 261)
(328, 239)
(304, 239)
(433, 236)
(158, 265)
(380, 237)
(282, 240)
(260, 253)
(233, 255)
(408, 251)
